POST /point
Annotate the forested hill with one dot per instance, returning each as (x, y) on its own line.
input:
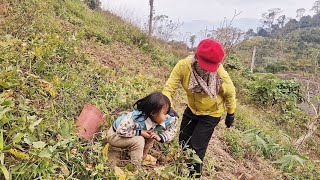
(284, 45)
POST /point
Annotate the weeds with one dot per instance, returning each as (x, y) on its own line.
(46, 77)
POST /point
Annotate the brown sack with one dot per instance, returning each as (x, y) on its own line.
(89, 121)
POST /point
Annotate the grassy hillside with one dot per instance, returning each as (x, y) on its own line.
(56, 55)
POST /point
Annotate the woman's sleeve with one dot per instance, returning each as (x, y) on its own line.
(229, 91)
(173, 82)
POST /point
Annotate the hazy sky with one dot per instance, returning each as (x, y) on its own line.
(209, 10)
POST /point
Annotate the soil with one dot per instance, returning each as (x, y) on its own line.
(117, 56)
(225, 167)
(121, 57)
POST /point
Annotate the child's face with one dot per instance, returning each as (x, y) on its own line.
(161, 116)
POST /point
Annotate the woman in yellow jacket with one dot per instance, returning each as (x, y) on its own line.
(210, 92)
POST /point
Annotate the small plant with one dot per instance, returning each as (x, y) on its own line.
(235, 141)
(289, 162)
(264, 142)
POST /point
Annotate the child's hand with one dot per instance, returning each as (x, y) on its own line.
(155, 136)
(146, 134)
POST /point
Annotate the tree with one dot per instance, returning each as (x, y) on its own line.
(300, 12)
(165, 28)
(250, 33)
(315, 106)
(316, 7)
(291, 25)
(281, 20)
(316, 20)
(151, 17)
(228, 35)
(192, 40)
(305, 21)
(262, 32)
(269, 17)
(93, 4)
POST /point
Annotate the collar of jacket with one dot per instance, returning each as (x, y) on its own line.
(148, 122)
(151, 125)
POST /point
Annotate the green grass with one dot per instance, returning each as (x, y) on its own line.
(47, 76)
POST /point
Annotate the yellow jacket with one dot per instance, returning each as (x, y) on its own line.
(202, 104)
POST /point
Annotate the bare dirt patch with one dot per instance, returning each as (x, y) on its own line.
(121, 57)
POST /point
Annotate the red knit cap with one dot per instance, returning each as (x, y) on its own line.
(210, 54)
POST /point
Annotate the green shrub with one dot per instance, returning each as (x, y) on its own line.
(266, 89)
(93, 4)
(233, 63)
(276, 67)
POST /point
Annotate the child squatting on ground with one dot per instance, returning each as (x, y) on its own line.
(137, 130)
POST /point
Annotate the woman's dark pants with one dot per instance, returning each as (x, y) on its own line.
(195, 133)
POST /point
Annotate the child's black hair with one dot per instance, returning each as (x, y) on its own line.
(152, 104)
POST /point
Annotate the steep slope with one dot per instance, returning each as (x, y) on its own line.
(56, 55)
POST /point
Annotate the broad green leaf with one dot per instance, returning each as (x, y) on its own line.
(3, 111)
(129, 167)
(1, 140)
(5, 172)
(262, 142)
(45, 153)
(39, 144)
(64, 142)
(4, 120)
(8, 103)
(17, 138)
(170, 169)
(100, 167)
(34, 124)
(27, 140)
(52, 148)
(19, 154)
(288, 161)
(196, 159)
(4, 84)
(2, 158)
(300, 159)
